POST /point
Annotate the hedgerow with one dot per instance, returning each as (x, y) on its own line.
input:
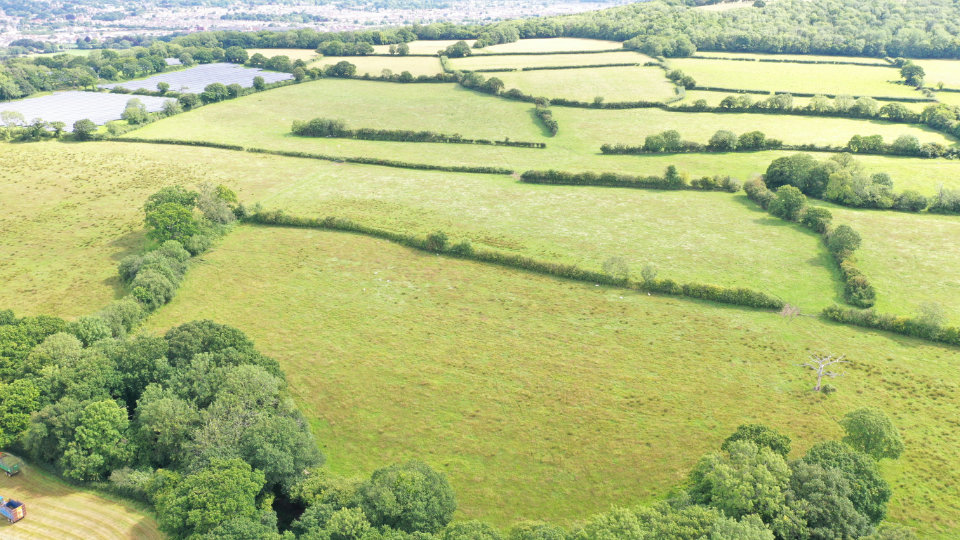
(437, 243)
(323, 127)
(671, 180)
(907, 326)
(383, 162)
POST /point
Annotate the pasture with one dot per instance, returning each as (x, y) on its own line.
(542, 45)
(56, 509)
(375, 65)
(78, 212)
(195, 79)
(610, 83)
(828, 79)
(941, 71)
(68, 107)
(472, 63)
(549, 399)
(910, 259)
(264, 119)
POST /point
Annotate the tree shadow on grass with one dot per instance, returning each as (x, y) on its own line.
(536, 121)
(131, 243)
(823, 259)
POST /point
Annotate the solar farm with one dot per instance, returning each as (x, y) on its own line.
(68, 107)
(196, 78)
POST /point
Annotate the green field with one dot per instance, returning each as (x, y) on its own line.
(805, 78)
(57, 510)
(549, 399)
(610, 83)
(551, 45)
(910, 259)
(798, 57)
(374, 65)
(551, 60)
(941, 71)
(264, 120)
(77, 213)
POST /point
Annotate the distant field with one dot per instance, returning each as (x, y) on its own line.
(307, 55)
(610, 83)
(950, 98)
(264, 120)
(806, 78)
(374, 65)
(424, 46)
(937, 71)
(909, 258)
(549, 399)
(71, 212)
(195, 79)
(631, 126)
(800, 57)
(445, 108)
(551, 45)
(73, 52)
(539, 60)
(57, 510)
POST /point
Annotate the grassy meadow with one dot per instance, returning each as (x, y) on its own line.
(941, 71)
(797, 57)
(564, 44)
(548, 60)
(910, 259)
(549, 399)
(56, 509)
(264, 119)
(788, 77)
(610, 83)
(374, 65)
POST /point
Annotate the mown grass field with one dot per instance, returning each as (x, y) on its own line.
(57, 510)
(549, 399)
(609, 83)
(374, 65)
(786, 77)
(540, 60)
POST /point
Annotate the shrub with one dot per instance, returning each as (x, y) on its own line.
(817, 219)
(910, 201)
(843, 240)
(84, 130)
(788, 203)
(757, 191)
(723, 141)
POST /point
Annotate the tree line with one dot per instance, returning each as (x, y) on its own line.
(670, 141)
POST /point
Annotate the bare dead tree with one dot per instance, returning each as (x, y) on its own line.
(819, 363)
(789, 311)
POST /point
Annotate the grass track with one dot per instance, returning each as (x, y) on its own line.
(57, 510)
(549, 399)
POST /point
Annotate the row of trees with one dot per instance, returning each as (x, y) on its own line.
(721, 141)
(843, 180)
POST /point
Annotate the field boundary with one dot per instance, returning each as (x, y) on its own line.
(789, 61)
(437, 243)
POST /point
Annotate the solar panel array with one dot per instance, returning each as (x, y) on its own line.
(196, 78)
(68, 107)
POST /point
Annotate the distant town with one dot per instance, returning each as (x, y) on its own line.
(90, 21)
